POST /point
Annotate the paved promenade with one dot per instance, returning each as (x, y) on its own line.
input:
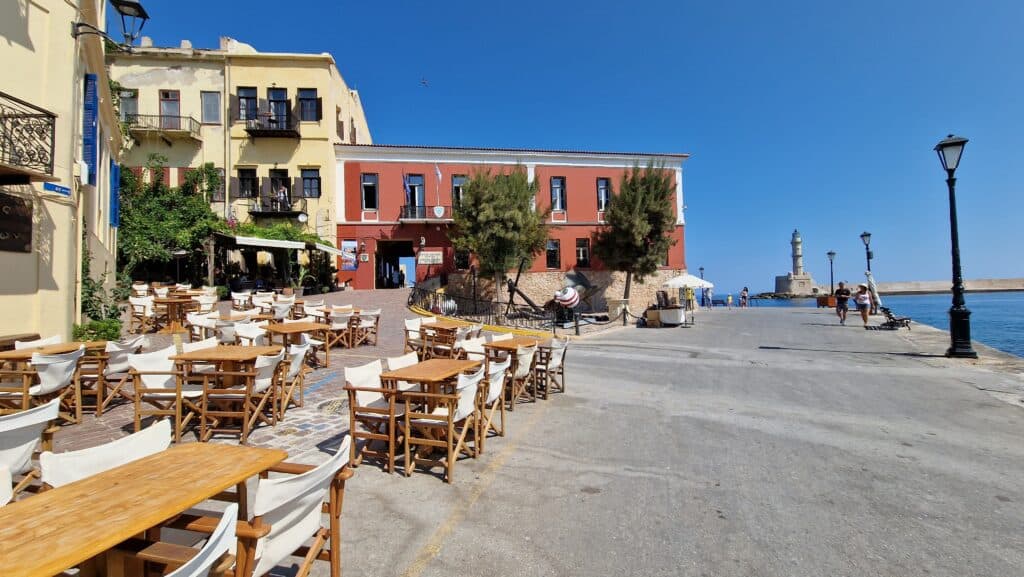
(768, 442)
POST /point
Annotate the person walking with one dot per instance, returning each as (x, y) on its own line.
(842, 295)
(744, 296)
(707, 297)
(728, 301)
(863, 300)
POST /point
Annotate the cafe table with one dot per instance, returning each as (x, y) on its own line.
(431, 374)
(227, 358)
(22, 356)
(56, 530)
(510, 346)
(175, 313)
(290, 332)
(445, 325)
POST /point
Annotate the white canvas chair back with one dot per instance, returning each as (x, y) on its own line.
(367, 375)
(369, 313)
(221, 541)
(201, 320)
(198, 345)
(474, 348)
(143, 305)
(140, 290)
(524, 361)
(54, 340)
(342, 308)
(6, 490)
(250, 335)
(496, 379)
(210, 291)
(462, 333)
(291, 506)
(156, 361)
(265, 295)
(298, 356)
(475, 331)
(306, 319)
(161, 292)
(339, 321)
(290, 299)
(59, 469)
(266, 366)
(182, 287)
(309, 303)
(240, 299)
(428, 320)
(19, 434)
(502, 337)
(466, 388)
(558, 347)
(206, 303)
(413, 324)
(226, 331)
(117, 355)
(281, 310)
(400, 362)
(55, 371)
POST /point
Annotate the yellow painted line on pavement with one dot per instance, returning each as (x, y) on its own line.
(433, 547)
(492, 328)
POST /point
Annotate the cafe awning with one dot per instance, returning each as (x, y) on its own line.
(268, 242)
(328, 249)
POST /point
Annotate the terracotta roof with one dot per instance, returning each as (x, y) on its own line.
(540, 150)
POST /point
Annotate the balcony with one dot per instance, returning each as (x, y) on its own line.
(168, 128)
(423, 213)
(26, 142)
(271, 207)
(271, 125)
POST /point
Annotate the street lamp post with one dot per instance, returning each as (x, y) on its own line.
(866, 238)
(831, 277)
(949, 150)
(702, 291)
(178, 255)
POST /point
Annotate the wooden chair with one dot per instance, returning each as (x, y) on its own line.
(524, 377)
(241, 301)
(340, 333)
(293, 382)
(372, 405)
(446, 426)
(160, 391)
(20, 434)
(207, 303)
(250, 334)
(200, 326)
(55, 378)
(501, 337)
(104, 376)
(472, 349)
(54, 340)
(213, 560)
(441, 343)
(143, 314)
(59, 469)
(413, 339)
(493, 400)
(400, 362)
(251, 402)
(140, 289)
(6, 489)
(369, 325)
(550, 368)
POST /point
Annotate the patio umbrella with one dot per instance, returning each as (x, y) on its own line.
(873, 289)
(688, 280)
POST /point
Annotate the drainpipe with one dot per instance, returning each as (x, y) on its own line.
(226, 102)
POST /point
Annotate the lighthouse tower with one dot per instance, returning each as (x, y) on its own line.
(797, 282)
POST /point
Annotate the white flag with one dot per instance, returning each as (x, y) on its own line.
(437, 171)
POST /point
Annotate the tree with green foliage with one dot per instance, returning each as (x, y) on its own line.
(496, 220)
(157, 219)
(638, 223)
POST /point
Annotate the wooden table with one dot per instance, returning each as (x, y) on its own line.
(289, 331)
(444, 325)
(511, 345)
(56, 530)
(433, 373)
(175, 313)
(25, 355)
(228, 358)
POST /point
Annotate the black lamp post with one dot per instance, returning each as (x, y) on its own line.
(949, 150)
(831, 278)
(866, 238)
(133, 18)
(178, 255)
(702, 291)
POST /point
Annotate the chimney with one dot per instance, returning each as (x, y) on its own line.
(146, 42)
(186, 45)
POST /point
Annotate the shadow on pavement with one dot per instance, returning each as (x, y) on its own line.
(901, 354)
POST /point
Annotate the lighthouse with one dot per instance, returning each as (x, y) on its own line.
(798, 253)
(797, 282)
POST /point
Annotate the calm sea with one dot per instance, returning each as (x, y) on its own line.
(997, 319)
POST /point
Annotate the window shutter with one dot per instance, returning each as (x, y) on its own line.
(297, 191)
(341, 130)
(319, 108)
(165, 173)
(182, 172)
(90, 107)
(115, 194)
(233, 113)
(234, 188)
(296, 113)
(265, 189)
(262, 107)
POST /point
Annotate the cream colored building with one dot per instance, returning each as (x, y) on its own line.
(59, 141)
(268, 121)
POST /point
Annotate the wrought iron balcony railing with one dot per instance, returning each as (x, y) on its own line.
(185, 125)
(424, 212)
(279, 124)
(26, 137)
(273, 206)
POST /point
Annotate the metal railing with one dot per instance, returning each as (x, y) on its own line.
(272, 205)
(163, 122)
(482, 311)
(423, 212)
(26, 134)
(265, 122)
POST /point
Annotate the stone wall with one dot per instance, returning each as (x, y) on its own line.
(945, 286)
(541, 287)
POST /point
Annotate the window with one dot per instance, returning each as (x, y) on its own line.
(170, 109)
(461, 259)
(129, 105)
(603, 193)
(311, 182)
(218, 193)
(554, 254)
(246, 103)
(557, 193)
(211, 107)
(308, 109)
(415, 195)
(369, 182)
(278, 98)
(247, 183)
(458, 181)
(583, 252)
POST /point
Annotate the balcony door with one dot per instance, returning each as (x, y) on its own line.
(278, 98)
(416, 196)
(280, 190)
(170, 109)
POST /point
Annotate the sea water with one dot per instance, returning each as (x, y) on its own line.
(997, 319)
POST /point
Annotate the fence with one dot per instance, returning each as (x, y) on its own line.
(483, 311)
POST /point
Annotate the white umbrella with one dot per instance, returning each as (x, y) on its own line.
(873, 289)
(688, 280)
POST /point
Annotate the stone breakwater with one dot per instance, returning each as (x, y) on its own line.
(944, 286)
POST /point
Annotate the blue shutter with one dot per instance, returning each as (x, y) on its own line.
(91, 107)
(115, 194)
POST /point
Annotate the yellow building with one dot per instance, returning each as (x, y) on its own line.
(59, 143)
(268, 121)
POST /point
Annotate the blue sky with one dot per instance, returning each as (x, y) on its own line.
(804, 114)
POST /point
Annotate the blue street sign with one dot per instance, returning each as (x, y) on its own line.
(57, 188)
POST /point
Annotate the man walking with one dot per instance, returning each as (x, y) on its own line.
(842, 296)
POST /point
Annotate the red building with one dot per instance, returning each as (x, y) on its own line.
(393, 206)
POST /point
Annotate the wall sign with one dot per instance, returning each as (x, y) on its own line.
(15, 223)
(430, 257)
(51, 187)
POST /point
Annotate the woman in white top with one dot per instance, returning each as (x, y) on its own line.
(863, 299)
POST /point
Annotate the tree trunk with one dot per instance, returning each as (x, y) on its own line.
(625, 297)
(210, 256)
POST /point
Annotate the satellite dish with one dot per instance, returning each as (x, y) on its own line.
(303, 217)
(438, 211)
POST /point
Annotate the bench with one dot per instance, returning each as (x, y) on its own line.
(892, 321)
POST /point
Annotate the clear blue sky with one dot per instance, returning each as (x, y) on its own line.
(804, 114)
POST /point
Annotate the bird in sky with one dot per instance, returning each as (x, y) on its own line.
(424, 83)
